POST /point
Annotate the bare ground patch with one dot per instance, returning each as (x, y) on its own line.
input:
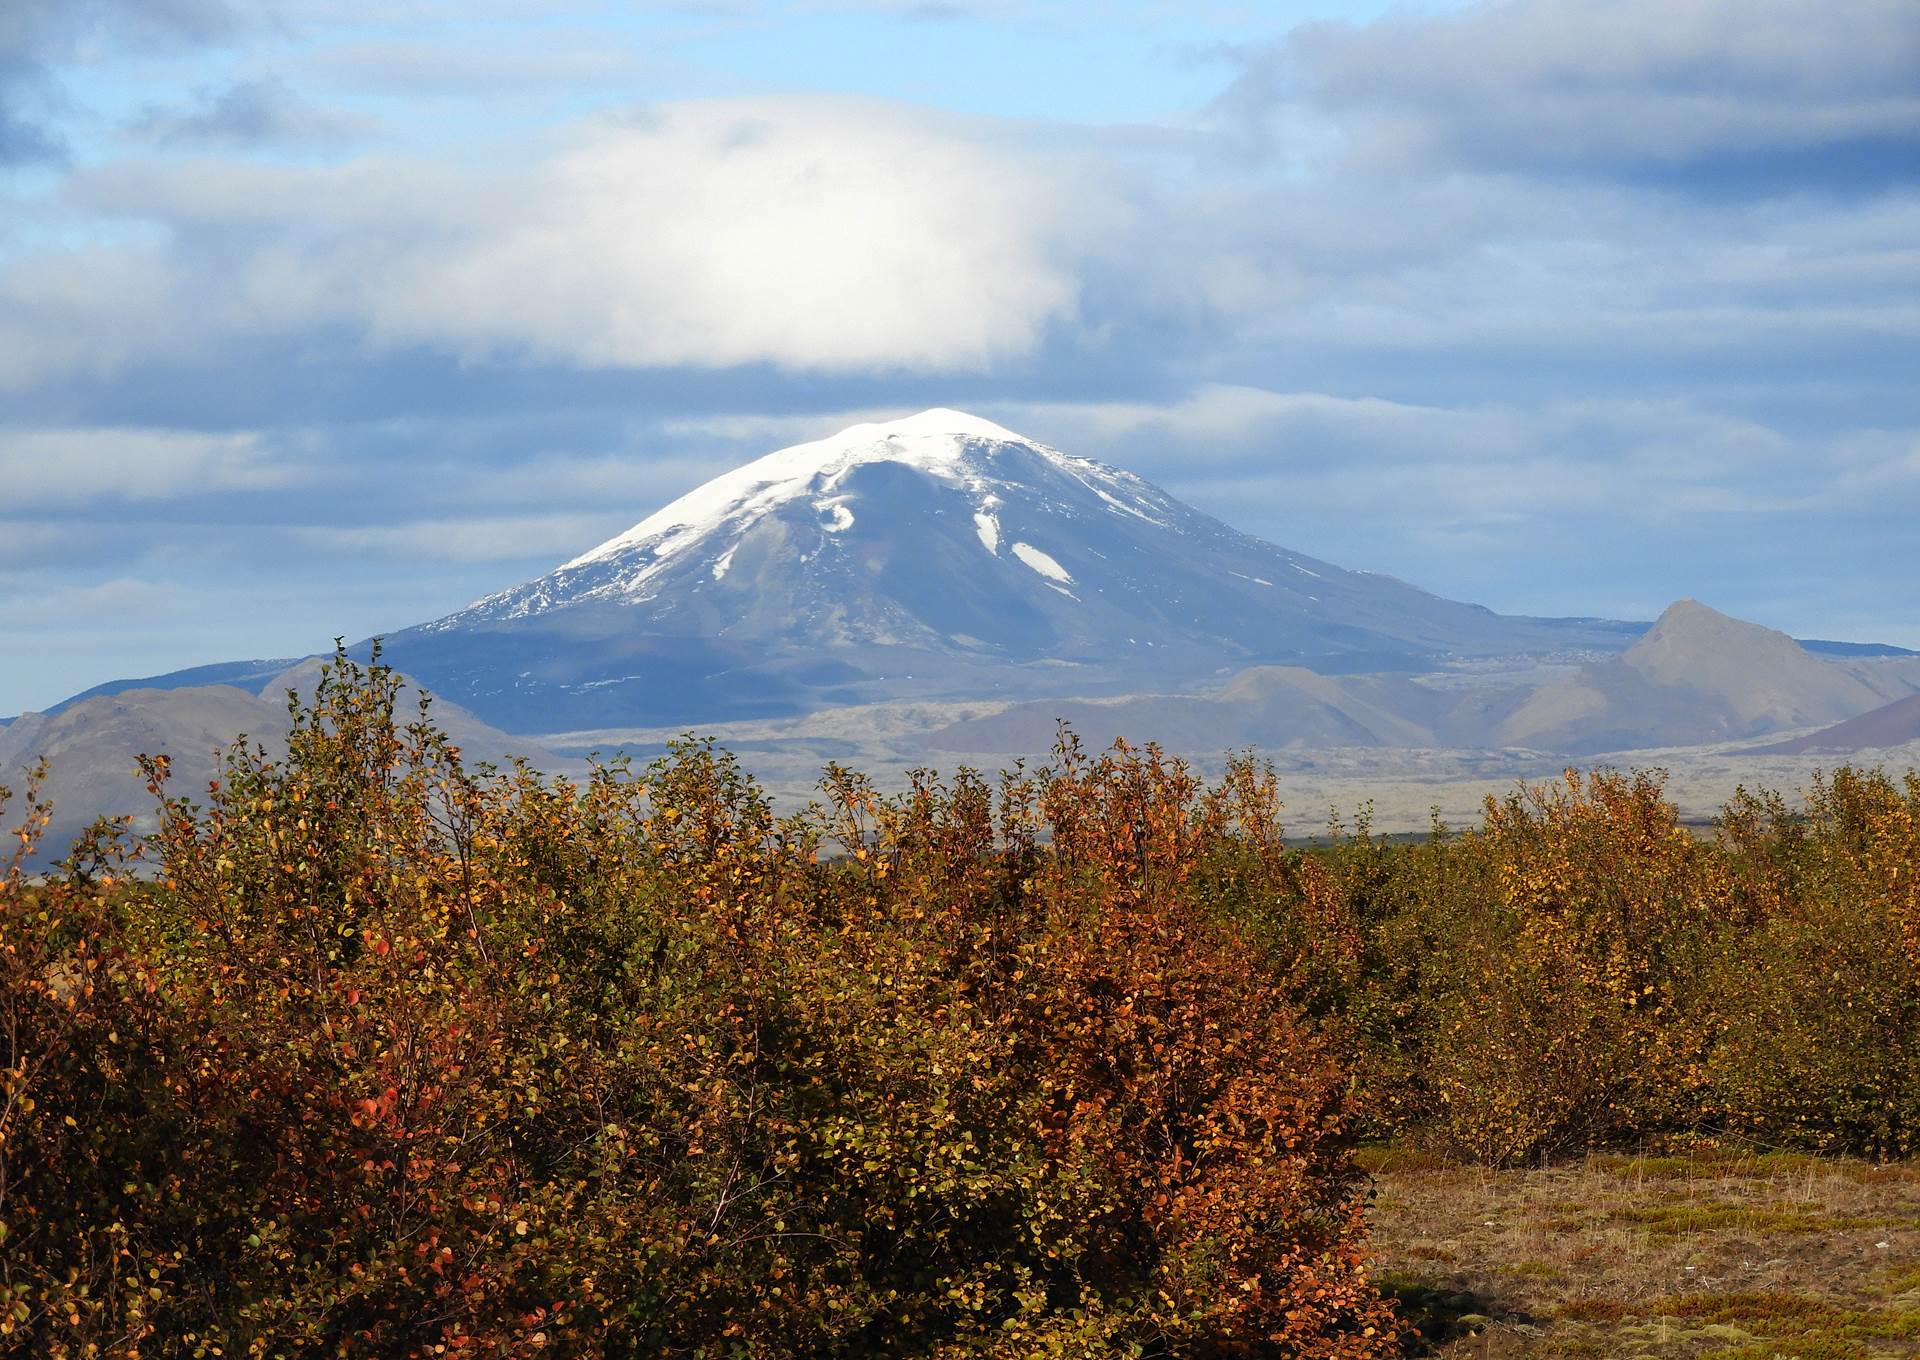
(1732, 1256)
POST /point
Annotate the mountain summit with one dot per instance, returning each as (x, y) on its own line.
(795, 508)
(936, 556)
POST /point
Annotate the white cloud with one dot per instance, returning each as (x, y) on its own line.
(118, 600)
(1438, 470)
(804, 234)
(630, 484)
(1223, 424)
(831, 237)
(809, 234)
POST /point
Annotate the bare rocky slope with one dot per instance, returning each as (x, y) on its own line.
(1892, 725)
(1698, 676)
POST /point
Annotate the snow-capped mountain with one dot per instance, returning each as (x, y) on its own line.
(798, 505)
(939, 555)
(943, 557)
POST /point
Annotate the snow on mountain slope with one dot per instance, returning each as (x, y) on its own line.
(821, 482)
(936, 442)
(937, 555)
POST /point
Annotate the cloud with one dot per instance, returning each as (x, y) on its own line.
(120, 599)
(798, 233)
(87, 311)
(246, 113)
(1455, 469)
(38, 36)
(483, 538)
(65, 467)
(27, 540)
(429, 67)
(1751, 96)
(804, 234)
(26, 136)
(776, 431)
(647, 474)
(823, 238)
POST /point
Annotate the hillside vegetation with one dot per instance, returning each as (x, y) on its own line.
(382, 1056)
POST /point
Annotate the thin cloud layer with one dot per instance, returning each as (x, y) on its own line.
(1765, 96)
(245, 113)
(37, 36)
(43, 468)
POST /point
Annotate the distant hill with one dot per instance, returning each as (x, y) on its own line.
(247, 675)
(1698, 676)
(91, 744)
(1895, 724)
(1824, 647)
(1269, 707)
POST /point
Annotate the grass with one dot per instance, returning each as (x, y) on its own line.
(1715, 1256)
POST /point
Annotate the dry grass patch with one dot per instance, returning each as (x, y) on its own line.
(1721, 1254)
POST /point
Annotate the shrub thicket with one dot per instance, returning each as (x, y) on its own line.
(1582, 971)
(382, 1057)
(393, 1060)
(1816, 1021)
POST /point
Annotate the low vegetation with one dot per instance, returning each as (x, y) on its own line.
(377, 1055)
(1719, 1253)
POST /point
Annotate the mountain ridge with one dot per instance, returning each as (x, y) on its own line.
(942, 557)
(936, 556)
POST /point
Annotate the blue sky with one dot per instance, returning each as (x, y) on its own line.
(326, 318)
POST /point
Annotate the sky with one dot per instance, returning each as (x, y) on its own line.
(325, 318)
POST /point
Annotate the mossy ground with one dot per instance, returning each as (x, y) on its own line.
(1721, 1255)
